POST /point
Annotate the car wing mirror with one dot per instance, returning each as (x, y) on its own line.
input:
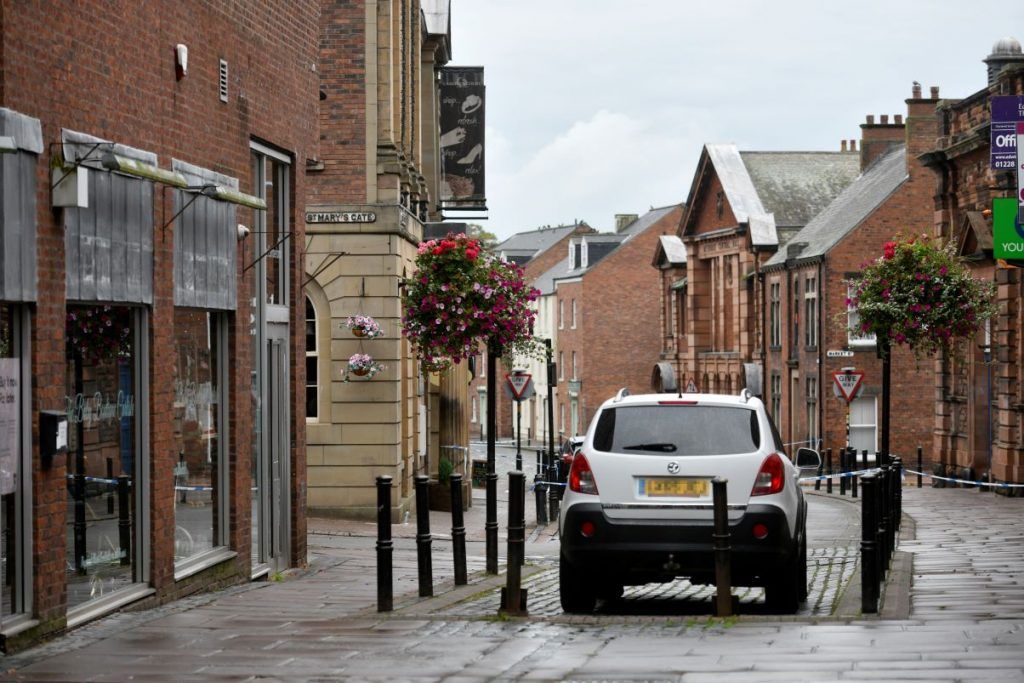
(808, 459)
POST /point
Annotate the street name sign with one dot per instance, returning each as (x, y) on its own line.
(839, 353)
(848, 384)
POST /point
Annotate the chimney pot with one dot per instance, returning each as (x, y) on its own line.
(842, 145)
(915, 92)
(897, 119)
(871, 119)
(935, 92)
(853, 145)
(884, 119)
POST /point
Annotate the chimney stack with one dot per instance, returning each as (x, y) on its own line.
(877, 139)
(897, 119)
(623, 220)
(935, 92)
(853, 145)
(870, 119)
(842, 145)
(915, 91)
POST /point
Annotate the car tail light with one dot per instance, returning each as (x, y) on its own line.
(581, 478)
(676, 402)
(771, 478)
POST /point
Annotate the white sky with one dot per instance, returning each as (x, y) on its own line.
(598, 107)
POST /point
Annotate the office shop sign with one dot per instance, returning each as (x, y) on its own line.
(1007, 114)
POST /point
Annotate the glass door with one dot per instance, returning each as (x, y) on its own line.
(15, 534)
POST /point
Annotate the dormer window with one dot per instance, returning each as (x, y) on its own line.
(577, 261)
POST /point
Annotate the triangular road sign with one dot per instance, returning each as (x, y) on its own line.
(848, 383)
(691, 387)
(518, 383)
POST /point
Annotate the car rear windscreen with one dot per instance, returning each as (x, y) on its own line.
(678, 430)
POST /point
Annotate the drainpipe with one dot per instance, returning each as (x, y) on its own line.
(821, 349)
(760, 302)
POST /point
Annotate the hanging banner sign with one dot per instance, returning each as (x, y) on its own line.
(1020, 173)
(1007, 112)
(847, 384)
(462, 137)
(1007, 230)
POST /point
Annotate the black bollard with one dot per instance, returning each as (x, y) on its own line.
(124, 521)
(540, 491)
(920, 466)
(458, 531)
(553, 491)
(879, 535)
(385, 548)
(111, 485)
(78, 482)
(843, 469)
(821, 471)
(883, 520)
(864, 459)
(828, 482)
(491, 522)
(424, 568)
(513, 597)
(721, 547)
(897, 478)
(869, 589)
(852, 455)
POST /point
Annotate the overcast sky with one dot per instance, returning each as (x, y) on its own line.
(598, 107)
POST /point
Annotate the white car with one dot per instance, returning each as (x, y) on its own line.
(638, 502)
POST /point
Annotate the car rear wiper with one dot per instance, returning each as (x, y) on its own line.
(664, 447)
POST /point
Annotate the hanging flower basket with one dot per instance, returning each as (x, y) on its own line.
(460, 296)
(364, 326)
(361, 365)
(920, 294)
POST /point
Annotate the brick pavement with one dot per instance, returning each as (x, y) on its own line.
(966, 623)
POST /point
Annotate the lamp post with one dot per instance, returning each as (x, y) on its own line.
(491, 480)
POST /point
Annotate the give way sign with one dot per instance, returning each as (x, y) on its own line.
(848, 384)
(521, 385)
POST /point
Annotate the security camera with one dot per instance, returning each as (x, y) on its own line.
(243, 231)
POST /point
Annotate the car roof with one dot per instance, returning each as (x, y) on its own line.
(743, 400)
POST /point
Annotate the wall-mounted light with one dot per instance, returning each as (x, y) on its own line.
(243, 231)
(139, 169)
(180, 60)
(7, 144)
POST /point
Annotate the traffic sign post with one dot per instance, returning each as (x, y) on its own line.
(520, 385)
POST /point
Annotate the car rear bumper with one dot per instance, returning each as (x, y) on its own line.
(637, 551)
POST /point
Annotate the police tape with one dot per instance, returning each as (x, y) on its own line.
(546, 483)
(993, 484)
(113, 482)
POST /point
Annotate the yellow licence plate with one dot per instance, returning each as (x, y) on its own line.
(677, 486)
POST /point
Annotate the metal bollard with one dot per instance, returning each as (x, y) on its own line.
(883, 520)
(897, 478)
(458, 531)
(722, 549)
(491, 522)
(124, 521)
(385, 548)
(553, 487)
(540, 491)
(920, 466)
(424, 568)
(110, 487)
(879, 536)
(852, 455)
(828, 482)
(869, 588)
(843, 469)
(513, 597)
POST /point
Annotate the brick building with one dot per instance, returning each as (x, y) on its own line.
(806, 283)
(606, 312)
(979, 404)
(742, 206)
(148, 298)
(369, 195)
(670, 260)
(537, 251)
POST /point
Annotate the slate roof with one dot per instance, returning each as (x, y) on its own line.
(850, 207)
(647, 220)
(784, 189)
(796, 186)
(535, 240)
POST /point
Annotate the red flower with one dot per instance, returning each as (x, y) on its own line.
(889, 250)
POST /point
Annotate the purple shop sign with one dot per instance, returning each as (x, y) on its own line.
(1007, 110)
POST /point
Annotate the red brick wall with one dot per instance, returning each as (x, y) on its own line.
(620, 313)
(343, 113)
(107, 69)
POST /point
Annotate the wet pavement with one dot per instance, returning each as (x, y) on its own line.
(954, 611)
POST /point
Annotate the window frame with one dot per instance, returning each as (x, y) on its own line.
(853, 322)
(775, 305)
(314, 353)
(811, 312)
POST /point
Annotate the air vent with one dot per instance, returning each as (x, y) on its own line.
(223, 81)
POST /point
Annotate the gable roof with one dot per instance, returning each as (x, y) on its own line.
(670, 250)
(536, 240)
(850, 207)
(769, 189)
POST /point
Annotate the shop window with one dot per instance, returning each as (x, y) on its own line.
(199, 410)
(15, 556)
(102, 460)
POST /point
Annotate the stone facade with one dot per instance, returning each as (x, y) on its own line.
(373, 187)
